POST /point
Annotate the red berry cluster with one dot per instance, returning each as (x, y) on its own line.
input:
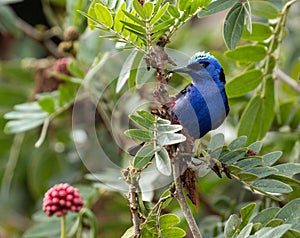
(62, 198)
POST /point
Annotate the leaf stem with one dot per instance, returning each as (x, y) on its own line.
(179, 195)
(63, 227)
(120, 36)
(277, 36)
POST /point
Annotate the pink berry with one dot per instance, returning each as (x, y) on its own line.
(62, 198)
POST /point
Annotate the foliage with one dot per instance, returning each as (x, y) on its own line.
(259, 158)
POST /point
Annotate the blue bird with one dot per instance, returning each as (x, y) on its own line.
(202, 106)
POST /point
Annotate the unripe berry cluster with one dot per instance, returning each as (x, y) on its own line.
(61, 66)
(62, 198)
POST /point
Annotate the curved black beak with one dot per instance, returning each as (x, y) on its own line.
(180, 70)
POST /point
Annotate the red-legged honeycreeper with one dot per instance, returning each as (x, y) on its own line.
(202, 105)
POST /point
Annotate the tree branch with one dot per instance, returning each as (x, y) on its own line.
(279, 74)
(131, 178)
(39, 37)
(179, 195)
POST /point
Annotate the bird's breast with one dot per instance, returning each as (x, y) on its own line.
(202, 108)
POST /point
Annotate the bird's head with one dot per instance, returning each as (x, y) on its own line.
(202, 63)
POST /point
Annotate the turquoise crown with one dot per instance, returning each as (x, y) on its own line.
(200, 55)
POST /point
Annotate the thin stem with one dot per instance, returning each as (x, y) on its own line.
(278, 31)
(279, 74)
(179, 195)
(63, 233)
(11, 164)
(38, 36)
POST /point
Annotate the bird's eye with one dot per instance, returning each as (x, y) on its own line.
(204, 64)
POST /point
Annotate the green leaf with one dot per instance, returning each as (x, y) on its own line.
(125, 71)
(23, 115)
(141, 135)
(271, 158)
(258, 115)
(91, 16)
(255, 146)
(231, 226)
(262, 172)
(148, 8)
(196, 4)
(134, 71)
(136, 28)
(163, 26)
(25, 107)
(290, 213)
(245, 232)
(244, 83)
(163, 121)
(183, 4)
(129, 233)
(285, 179)
(172, 9)
(164, 128)
(170, 138)
(247, 53)
(233, 156)
(174, 232)
(134, 19)
(265, 216)
(139, 9)
(288, 169)
(276, 232)
(238, 142)
(272, 186)
(216, 142)
(249, 163)
(264, 9)
(143, 75)
(47, 103)
(67, 93)
(247, 177)
(246, 213)
(233, 26)
(159, 14)
(248, 16)
(142, 121)
(260, 32)
(144, 156)
(75, 69)
(118, 26)
(168, 220)
(291, 233)
(163, 162)
(234, 169)
(147, 115)
(17, 126)
(103, 15)
(216, 6)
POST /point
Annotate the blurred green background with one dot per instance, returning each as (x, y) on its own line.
(27, 172)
